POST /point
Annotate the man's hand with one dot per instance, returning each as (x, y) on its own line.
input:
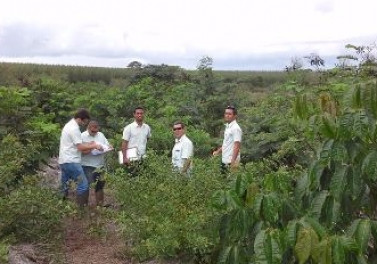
(98, 146)
(234, 166)
(216, 152)
(126, 161)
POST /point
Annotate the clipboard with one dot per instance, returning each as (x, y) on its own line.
(132, 155)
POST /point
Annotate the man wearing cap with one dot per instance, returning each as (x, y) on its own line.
(230, 148)
(183, 149)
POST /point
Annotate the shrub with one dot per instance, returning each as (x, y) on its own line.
(166, 214)
(31, 213)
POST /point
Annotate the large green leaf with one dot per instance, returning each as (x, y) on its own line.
(307, 240)
(360, 230)
(369, 165)
(338, 181)
(317, 204)
(266, 248)
(292, 232)
(302, 186)
(326, 150)
(328, 127)
(338, 251)
(361, 124)
(322, 253)
(309, 222)
(270, 208)
(315, 174)
(345, 126)
(331, 211)
(356, 97)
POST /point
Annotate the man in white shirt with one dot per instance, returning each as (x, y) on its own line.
(93, 161)
(183, 149)
(230, 148)
(135, 135)
(71, 146)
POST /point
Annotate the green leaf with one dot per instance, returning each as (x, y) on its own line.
(322, 253)
(356, 97)
(328, 127)
(331, 211)
(309, 222)
(257, 208)
(292, 232)
(338, 181)
(302, 186)
(361, 124)
(266, 249)
(360, 230)
(338, 251)
(307, 240)
(270, 208)
(369, 165)
(317, 204)
(315, 174)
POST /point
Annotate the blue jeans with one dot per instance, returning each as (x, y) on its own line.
(73, 171)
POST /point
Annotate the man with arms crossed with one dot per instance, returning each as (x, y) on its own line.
(93, 161)
(230, 148)
(135, 135)
(183, 149)
(70, 149)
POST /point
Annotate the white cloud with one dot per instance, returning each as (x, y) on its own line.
(180, 31)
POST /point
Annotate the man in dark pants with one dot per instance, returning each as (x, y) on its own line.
(93, 161)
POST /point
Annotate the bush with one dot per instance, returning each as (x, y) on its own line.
(31, 214)
(166, 214)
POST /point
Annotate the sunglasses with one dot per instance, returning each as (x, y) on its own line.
(177, 128)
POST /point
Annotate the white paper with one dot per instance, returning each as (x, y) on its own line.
(96, 152)
(131, 155)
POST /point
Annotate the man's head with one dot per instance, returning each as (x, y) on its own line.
(139, 114)
(178, 129)
(93, 128)
(82, 116)
(230, 114)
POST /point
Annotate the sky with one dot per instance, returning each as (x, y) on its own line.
(236, 34)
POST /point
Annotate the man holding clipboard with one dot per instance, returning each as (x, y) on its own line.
(135, 138)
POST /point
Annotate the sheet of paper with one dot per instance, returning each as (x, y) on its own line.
(131, 154)
(96, 152)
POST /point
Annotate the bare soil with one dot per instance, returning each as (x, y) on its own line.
(89, 239)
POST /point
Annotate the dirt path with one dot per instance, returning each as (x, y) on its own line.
(90, 239)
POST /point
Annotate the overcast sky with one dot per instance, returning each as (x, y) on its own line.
(237, 34)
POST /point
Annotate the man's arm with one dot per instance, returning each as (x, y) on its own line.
(84, 147)
(186, 165)
(126, 160)
(236, 151)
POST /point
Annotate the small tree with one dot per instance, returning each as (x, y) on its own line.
(205, 63)
(134, 64)
(315, 60)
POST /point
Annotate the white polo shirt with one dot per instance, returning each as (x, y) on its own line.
(232, 133)
(70, 137)
(96, 161)
(183, 149)
(137, 136)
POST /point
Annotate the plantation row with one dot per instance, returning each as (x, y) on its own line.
(304, 194)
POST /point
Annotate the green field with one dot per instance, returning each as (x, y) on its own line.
(305, 192)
